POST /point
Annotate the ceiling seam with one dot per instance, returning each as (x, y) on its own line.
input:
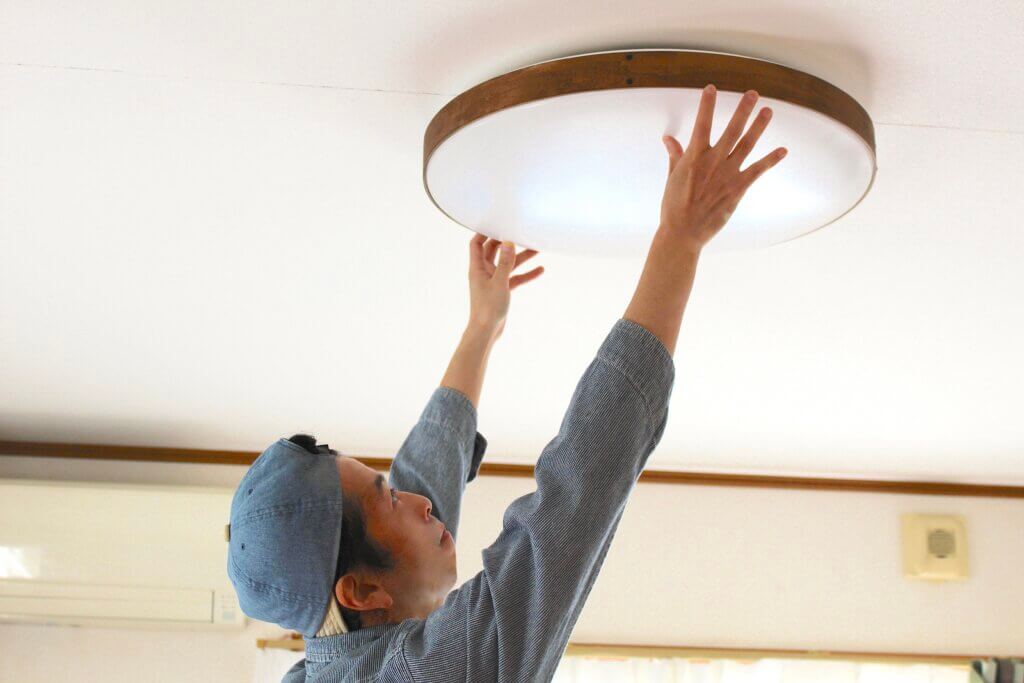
(402, 92)
(140, 74)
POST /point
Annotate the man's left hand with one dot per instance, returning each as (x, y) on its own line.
(490, 285)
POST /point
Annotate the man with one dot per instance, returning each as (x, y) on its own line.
(364, 568)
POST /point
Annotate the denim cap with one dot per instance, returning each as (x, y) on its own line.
(284, 536)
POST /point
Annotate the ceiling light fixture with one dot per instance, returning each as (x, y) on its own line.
(566, 155)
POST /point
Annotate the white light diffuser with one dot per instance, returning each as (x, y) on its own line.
(585, 172)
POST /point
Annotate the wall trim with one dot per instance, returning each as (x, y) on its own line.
(295, 643)
(202, 456)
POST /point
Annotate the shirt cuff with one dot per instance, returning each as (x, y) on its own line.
(479, 446)
(452, 410)
(642, 357)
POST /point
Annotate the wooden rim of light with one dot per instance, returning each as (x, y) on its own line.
(643, 68)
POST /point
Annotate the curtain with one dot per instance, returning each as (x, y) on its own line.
(273, 663)
(997, 671)
(578, 669)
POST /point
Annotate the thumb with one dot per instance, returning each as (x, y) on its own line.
(506, 259)
(675, 151)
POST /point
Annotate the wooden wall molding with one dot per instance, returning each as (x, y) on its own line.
(201, 456)
(295, 643)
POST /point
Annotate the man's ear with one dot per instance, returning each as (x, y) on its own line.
(361, 593)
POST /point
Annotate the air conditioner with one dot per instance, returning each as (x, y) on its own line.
(115, 555)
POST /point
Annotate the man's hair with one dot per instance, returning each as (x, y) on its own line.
(356, 548)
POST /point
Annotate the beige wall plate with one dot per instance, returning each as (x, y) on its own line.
(934, 547)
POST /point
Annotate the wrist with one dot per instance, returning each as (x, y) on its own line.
(485, 329)
(669, 242)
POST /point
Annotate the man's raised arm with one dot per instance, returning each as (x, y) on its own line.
(511, 621)
(443, 451)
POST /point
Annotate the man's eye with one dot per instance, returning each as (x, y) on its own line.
(394, 496)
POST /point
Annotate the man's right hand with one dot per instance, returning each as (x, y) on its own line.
(704, 183)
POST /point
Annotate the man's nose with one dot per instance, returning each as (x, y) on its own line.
(427, 507)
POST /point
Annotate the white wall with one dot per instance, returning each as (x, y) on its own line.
(690, 565)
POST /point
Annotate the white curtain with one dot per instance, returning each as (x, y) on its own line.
(576, 669)
(273, 663)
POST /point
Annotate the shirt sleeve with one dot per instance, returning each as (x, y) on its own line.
(441, 454)
(511, 622)
(296, 674)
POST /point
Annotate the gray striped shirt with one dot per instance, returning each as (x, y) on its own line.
(511, 622)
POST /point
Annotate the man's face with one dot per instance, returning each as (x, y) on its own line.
(402, 523)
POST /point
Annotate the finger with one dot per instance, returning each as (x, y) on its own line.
(700, 139)
(476, 252)
(756, 170)
(506, 259)
(489, 249)
(523, 257)
(525, 277)
(675, 151)
(736, 124)
(739, 155)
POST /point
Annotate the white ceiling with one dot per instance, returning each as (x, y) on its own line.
(214, 233)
